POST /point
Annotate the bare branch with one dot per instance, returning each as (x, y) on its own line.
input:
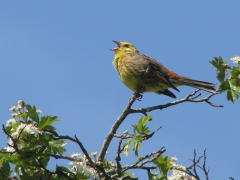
(118, 157)
(196, 164)
(188, 98)
(206, 171)
(128, 110)
(141, 161)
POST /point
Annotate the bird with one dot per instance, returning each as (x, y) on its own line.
(133, 68)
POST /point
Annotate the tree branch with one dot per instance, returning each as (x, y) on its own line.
(141, 161)
(188, 98)
(128, 110)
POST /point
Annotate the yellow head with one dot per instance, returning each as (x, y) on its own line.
(123, 48)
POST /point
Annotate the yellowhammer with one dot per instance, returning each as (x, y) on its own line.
(132, 67)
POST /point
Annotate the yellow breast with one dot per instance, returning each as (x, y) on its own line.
(126, 73)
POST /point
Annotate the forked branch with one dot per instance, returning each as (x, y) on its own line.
(189, 98)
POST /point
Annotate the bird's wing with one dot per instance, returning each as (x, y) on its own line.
(156, 70)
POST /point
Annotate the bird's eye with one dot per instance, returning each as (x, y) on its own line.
(126, 45)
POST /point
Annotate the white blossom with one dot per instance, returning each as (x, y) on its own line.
(174, 158)
(10, 149)
(63, 144)
(18, 130)
(235, 59)
(178, 171)
(15, 114)
(11, 122)
(82, 167)
(16, 135)
(31, 129)
(20, 144)
(12, 108)
(94, 153)
(20, 104)
(39, 111)
(75, 155)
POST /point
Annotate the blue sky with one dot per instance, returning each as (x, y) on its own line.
(55, 55)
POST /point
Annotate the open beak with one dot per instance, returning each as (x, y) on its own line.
(116, 48)
(116, 42)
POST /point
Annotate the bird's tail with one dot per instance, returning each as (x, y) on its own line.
(206, 86)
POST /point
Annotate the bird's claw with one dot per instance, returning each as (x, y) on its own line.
(137, 96)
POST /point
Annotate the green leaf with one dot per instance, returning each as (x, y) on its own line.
(24, 116)
(152, 176)
(136, 147)
(47, 120)
(82, 176)
(32, 113)
(221, 67)
(232, 95)
(229, 95)
(62, 168)
(129, 175)
(44, 160)
(235, 71)
(52, 128)
(126, 146)
(5, 169)
(224, 86)
(145, 119)
(235, 84)
(234, 90)
(3, 157)
(219, 63)
(107, 165)
(24, 174)
(141, 128)
(57, 146)
(163, 178)
(215, 62)
(163, 164)
(26, 177)
(238, 89)
(221, 76)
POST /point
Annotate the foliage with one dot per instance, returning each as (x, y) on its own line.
(229, 77)
(140, 131)
(33, 141)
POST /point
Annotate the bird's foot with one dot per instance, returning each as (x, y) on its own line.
(137, 96)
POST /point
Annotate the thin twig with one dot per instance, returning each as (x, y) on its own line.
(141, 161)
(206, 171)
(145, 136)
(186, 99)
(118, 156)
